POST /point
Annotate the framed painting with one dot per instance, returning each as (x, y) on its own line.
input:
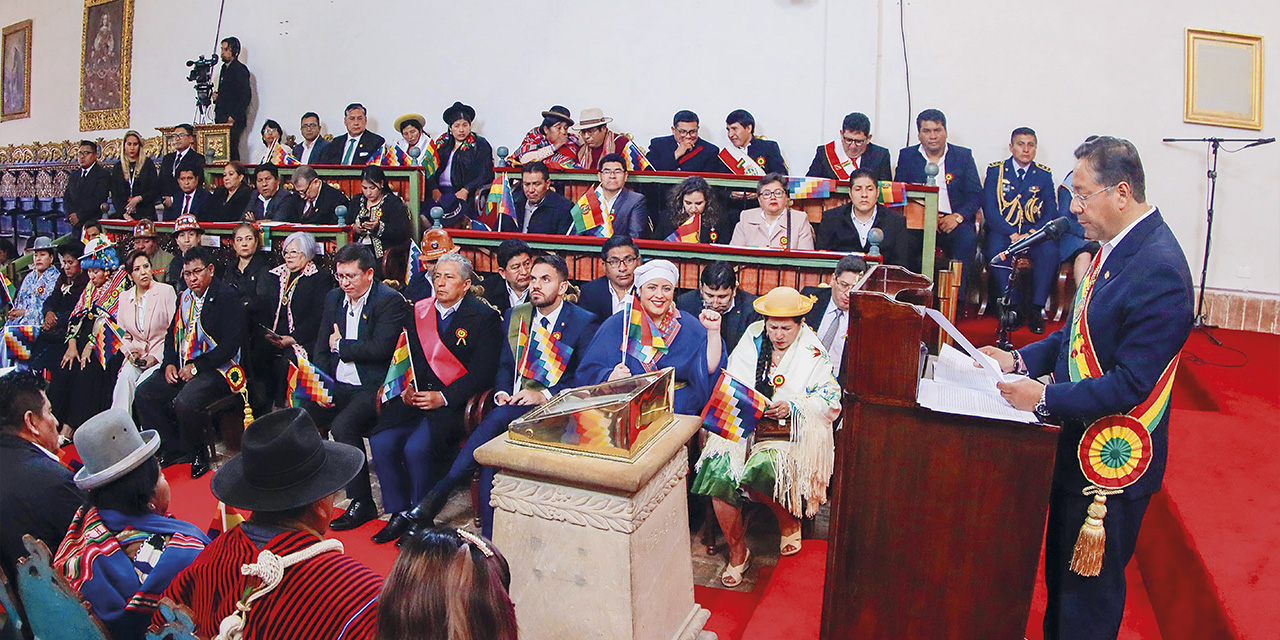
(15, 71)
(105, 58)
(1224, 79)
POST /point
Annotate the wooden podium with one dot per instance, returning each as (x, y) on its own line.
(937, 519)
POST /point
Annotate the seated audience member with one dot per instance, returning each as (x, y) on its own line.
(626, 210)
(146, 316)
(209, 338)
(230, 200)
(87, 188)
(454, 339)
(466, 162)
(55, 311)
(183, 156)
(249, 267)
(90, 230)
(829, 317)
(1020, 200)
(718, 291)
(598, 140)
(435, 243)
(144, 240)
(509, 287)
(37, 493)
(537, 208)
(551, 142)
(1073, 248)
(550, 325)
(381, 218)
(8, 254)
(275, 151)
(747, 154)
(288, 477)
(359, 328)
(291, 300)
(447, 584)
(773, 224)
(358, 144)
(781, 357)
(187, 235)
(845, 228)
(320, 200)
(959, 191)
(412, 136)
(693, 344)
(80, 386)
(123, 549)
(312, 146)
(694, 214)
(838, 159)
(135, 182)
(36, 287)
(271, 202)
(683, 150)
(606, 295)
(455, 217)
(191, 199)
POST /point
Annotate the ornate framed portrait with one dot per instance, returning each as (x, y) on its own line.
(1224, 79)
(15, 71)
(104, 62)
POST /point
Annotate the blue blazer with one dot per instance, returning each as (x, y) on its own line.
(767, 155)
(1139, 317)
(576, 327)
(199, 202)
(963, 188)
(1036, 185)
(594, 296)
(316, 153)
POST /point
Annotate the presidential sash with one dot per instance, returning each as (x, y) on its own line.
(740, 166)
(842, 168)
(443, 363)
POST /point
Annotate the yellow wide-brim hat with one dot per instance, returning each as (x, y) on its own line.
(783, 302)
(417, 118)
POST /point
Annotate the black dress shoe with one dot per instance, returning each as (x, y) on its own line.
(357, 513)
(397, 525)
(1035, 321)
(170, 459)
(199, 466)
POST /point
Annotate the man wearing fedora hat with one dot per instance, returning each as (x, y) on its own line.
(275, 575)
(598, 140)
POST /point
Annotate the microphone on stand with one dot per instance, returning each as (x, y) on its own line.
(874, 238)
(1050, 231)
(1257, 143)
(502, 156)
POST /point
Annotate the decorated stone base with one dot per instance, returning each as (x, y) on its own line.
(598, 548)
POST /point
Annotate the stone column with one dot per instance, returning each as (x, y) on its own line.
(598, 548)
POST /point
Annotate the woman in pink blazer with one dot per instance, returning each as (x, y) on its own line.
(145, 314)
(773, 224)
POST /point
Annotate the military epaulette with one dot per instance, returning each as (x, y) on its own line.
(1044, 168)
(996, 163)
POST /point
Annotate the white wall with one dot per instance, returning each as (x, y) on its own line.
(1066, 69)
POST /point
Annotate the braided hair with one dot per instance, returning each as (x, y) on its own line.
(764, 382)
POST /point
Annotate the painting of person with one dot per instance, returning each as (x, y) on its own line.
(102, 56)
(15, 70)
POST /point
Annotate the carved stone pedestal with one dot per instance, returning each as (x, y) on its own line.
(598, 548)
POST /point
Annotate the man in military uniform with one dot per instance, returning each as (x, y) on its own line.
(1020, 199)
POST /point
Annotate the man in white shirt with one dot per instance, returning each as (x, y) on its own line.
(313, 144)
(510, 286)
(607, 294)
(830, 314)
(358, 144)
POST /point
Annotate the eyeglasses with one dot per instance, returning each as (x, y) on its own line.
(292, 253)
(347, 277)
(857, 142)
(311, 125)
(618, 262)
(1082, 199)
(194, 272)
(687, 133)
(773, 193)
(612, 172)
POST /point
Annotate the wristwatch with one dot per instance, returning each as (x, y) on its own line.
(1041, 411)
(194, 372)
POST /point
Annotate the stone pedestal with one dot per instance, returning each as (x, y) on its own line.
(598, 548)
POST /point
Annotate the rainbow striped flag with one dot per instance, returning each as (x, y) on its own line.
(414, 267)
(545, 357)
(7, 291)
(810, 187)
(643, 341)
(892, 193)
(280, 157)
(224, 519)
(589, 217)
(308, 382)
(734, 408)
(107, 340)
(19, 339)
(636, 160)
(689, 231)
(430, 161)
(107, 297)
(501, 202)
(400, 374)
(391, 156)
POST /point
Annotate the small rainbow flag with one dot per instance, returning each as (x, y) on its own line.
(108, 340)
(107, 297)
(545, 357)
(281, 157)
(391, 156)
(414, 267)
(308, 382)
(689, 231)
(7, 291)
(19, 339)
(734, 408)
(809, 187)
(892, 193)
(501, 203)
(589, 217)
(400, 374)
(636, 160)
(644, 342)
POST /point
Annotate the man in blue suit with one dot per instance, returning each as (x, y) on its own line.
(313, 144)
(1019, 200)
(1133, 314)
(959, 191)
(525, 380)
(606, 295)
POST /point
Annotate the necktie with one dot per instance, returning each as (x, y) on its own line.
(829, 337)
(84, 173)
(351, 150)
(186, 204)
(1022, 173)
(177, 162)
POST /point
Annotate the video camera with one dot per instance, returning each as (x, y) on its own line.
(202, 75)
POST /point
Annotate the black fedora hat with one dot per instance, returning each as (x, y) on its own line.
(458, 110)
(283, 464)
(560, 113)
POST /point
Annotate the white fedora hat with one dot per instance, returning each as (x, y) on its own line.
(110, 446)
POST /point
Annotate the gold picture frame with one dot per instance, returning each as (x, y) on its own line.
(1224, 79)
(15, 71)
(106, 53)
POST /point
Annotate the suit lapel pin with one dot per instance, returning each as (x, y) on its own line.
(1106, 275)
(462, 337)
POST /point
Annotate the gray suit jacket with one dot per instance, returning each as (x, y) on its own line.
(630, 214)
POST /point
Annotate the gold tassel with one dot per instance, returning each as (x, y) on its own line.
(1086, 559)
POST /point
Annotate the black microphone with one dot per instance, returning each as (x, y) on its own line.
(1259, 142)
(1050, 231)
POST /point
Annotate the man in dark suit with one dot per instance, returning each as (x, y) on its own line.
(538, 209)
(847, 228)
(319, 200)
(627, 211)
(272, 202)
(208, 340)
(87, 188)
(607, 294)
(718, 290)
(747, 153)
(829, 317)
(37, 493)
(359, 328)
(313, 144)
(510, 285)
(683, 150)
(959, 189)
(1111, 367)
(357, 145)
(231, 100)
(1020, 198)
(183, 156)
(550, 324)
(190, 199)
(838, 159)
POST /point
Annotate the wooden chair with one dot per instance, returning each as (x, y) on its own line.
(54, 610)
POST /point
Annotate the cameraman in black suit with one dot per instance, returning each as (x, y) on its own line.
(231, 100)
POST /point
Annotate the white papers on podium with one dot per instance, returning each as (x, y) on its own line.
(959, 387)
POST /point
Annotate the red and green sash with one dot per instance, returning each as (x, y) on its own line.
(739, 166)
(841, 168)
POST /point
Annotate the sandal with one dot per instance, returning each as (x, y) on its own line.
(792, 542)
(732, 576)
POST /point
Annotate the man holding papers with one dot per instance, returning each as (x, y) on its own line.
(1111, 370)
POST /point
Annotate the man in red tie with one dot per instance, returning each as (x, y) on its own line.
(190, 199)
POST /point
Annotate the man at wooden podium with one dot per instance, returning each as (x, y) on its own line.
(1112, 371)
